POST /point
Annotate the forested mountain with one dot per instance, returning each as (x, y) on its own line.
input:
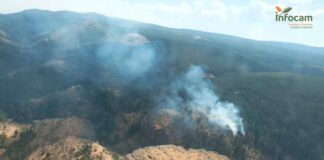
(140, 85)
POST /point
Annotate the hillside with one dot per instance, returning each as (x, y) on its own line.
(72, 139)
(131, 85)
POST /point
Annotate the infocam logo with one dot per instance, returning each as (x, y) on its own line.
(294, 21)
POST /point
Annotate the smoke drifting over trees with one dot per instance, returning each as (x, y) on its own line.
(199, 96)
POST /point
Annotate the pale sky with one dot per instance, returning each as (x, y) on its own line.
(253, 19)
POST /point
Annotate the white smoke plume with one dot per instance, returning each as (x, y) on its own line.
(201, 98)
(132, 57)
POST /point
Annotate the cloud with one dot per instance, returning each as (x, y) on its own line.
(318, 12)
(182, 8)
(264, 6)
(218, 8)
(300, 1)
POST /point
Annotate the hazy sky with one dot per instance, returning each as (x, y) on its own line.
(254, 19)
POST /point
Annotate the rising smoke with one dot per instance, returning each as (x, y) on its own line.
(132, 57)
(200, 97)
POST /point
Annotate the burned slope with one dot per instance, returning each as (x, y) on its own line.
(73, 139)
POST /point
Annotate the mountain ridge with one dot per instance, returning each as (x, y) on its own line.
(221, 35)
(142, 85)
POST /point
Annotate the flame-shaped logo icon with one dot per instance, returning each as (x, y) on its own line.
(280, 11)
